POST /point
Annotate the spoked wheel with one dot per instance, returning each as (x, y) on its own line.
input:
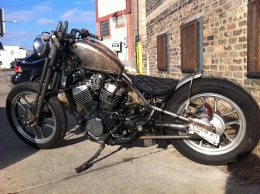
(228, 119)
(53, 123)
(235, 116)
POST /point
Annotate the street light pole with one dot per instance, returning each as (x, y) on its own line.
(2, 24)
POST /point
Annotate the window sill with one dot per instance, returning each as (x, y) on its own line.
(120, 26)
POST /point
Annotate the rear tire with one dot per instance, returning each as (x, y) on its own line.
(52, 129)
(235, 115)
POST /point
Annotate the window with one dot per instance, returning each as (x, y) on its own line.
(12, 52)
(104, 28)
(162, 52)
(120, 21)
(253, 31)
(191, 46)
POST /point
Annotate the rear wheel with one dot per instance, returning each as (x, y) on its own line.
(52, 126)
(235, 117)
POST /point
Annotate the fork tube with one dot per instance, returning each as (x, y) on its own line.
(54, 81)
(41, 81)
(45, 87)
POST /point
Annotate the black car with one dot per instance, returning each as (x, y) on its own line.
(27, 71)
(29, 58)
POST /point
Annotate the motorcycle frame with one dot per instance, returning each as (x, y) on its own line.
(48, 69)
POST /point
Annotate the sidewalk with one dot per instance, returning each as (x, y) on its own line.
(119, 169)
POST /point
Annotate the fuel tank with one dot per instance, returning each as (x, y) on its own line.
(96, 56)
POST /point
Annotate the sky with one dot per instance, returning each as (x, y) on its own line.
(35, 16)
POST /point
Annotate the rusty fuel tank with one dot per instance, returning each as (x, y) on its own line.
(96, 56)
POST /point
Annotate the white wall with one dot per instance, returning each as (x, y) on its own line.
(119, 35)
(9, 54)
(106, 7)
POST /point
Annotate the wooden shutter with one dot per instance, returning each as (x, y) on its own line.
(162, 52)
(253, 37)
(189, 46)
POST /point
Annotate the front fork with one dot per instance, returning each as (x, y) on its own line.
(43, 88)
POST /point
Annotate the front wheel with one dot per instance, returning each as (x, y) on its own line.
(235, 117)
(52, 125)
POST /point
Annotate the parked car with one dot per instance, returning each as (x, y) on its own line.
(29, 58)
(27, 71)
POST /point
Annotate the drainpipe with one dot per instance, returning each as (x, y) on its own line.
(129, 30)
(139, 57)
(139, 46)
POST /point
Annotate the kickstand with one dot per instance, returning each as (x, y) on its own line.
(85, 165)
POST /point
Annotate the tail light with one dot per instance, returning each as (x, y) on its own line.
(204, 111)
(18, 69)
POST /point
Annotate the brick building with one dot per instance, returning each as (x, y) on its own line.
(220, 37)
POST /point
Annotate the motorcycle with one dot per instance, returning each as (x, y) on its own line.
(209, 120)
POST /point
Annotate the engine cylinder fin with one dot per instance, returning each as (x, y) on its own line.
(85, 99)
(104, 96)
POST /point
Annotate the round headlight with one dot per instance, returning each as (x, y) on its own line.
(41, 47)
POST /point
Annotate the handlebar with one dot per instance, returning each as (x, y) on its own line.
(85, 33)
(61, 34)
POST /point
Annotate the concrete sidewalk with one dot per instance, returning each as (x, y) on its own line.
(119, 169)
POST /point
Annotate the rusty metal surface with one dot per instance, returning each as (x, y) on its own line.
(189, 46)
(253, 32)
(96, 56)
(162, 52)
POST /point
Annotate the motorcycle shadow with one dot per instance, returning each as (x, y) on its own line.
(73, 135)
(13, 150)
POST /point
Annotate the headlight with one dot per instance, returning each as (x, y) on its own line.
(41, 47)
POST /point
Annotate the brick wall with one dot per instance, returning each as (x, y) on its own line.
(224, 37)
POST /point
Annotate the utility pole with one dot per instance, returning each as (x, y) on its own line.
(2, 23)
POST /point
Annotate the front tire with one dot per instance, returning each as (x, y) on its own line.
(53, 124)
(235, 117)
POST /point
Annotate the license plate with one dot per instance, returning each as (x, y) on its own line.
(205, 134)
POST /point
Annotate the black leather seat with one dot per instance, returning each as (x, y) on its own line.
(155, 86)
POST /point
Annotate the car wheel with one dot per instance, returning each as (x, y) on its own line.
(37, 79)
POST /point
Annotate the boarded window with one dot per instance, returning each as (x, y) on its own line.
(120, 21)
(162, 52)
(189, 46)
(104, 28)
(253, 27)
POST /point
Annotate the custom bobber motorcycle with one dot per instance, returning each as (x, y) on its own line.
(209, 120)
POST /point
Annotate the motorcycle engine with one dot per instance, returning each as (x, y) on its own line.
(97, 100)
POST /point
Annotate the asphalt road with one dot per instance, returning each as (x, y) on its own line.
(119, 169)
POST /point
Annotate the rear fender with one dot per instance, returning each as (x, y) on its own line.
(188, 79)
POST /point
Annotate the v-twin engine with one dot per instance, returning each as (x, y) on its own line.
(97, 92)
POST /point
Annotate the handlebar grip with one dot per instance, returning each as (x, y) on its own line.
(84, 34)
